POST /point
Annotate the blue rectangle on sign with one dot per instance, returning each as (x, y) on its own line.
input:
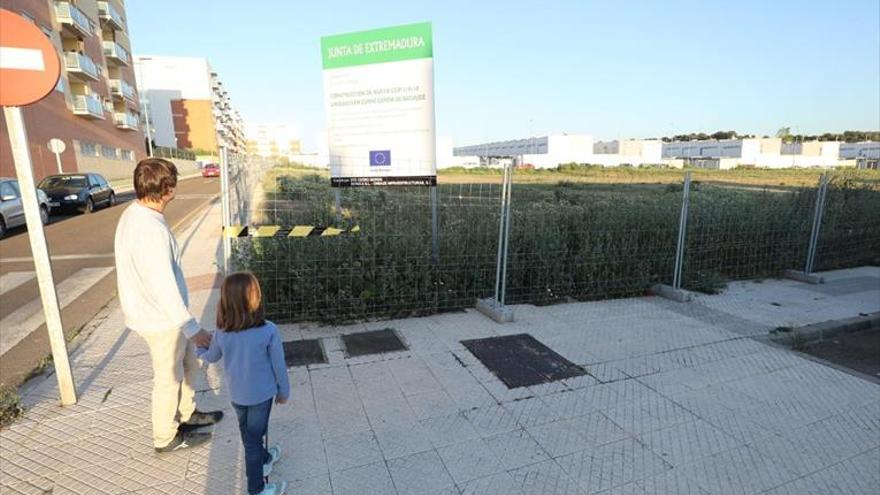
(380, 158)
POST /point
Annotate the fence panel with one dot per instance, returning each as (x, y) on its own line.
(576, 234)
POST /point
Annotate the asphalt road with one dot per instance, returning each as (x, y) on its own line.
(81, 248)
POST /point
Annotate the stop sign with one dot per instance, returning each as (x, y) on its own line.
(29, 64)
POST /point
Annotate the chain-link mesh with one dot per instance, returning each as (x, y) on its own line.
(577, 241)
(738, 231)
(607, 235)
(384, 269)
(850, 231)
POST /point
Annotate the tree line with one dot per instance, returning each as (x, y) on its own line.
(783, 133)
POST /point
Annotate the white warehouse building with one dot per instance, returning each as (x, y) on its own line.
(757, 152)
(540, 152)
(631, 152)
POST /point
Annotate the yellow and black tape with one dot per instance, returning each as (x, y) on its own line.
(276, 231)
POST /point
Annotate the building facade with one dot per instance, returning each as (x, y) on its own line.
(537, 152)
(187, 105)
(273, 140)
(94, 108)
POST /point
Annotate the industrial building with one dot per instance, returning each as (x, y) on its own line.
(551, 151)
(187, 104)
(537, 152)
(94, 108)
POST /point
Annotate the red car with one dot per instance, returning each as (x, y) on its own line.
(211, 170)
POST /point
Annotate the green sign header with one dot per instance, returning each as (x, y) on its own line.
(376, 46)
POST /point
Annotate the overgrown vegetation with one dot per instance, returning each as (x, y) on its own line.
(569, 241)
(10, 406)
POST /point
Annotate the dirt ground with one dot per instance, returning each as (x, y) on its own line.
(859, 351)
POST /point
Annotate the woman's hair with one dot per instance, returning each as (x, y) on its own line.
(241, 303)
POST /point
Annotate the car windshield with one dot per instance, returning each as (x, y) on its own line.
(59, 181)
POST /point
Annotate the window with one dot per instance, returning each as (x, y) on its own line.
(93, 181)
(109, 152)
(128, 155)
(6, 189)
(88, 149)
(60, 86)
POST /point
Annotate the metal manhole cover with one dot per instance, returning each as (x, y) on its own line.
(303, 352)
(374, 342)
(521, 361)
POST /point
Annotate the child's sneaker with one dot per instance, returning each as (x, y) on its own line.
(274, 455)
(277, 488)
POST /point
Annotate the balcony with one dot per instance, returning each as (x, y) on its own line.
(127, 121)
(110, 16)
(88, 106)
(121, 89)
(115, 53)
(72, 19)
(81, 66)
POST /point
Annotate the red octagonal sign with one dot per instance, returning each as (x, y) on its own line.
(29, 64)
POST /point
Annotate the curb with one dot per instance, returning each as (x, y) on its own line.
(825, 330)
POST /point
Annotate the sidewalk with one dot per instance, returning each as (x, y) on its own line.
(679, 399)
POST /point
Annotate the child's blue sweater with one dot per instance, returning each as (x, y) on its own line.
(253, 363)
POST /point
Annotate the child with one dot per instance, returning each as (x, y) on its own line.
(253, 363)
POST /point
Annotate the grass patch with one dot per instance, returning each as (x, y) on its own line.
(10, 406)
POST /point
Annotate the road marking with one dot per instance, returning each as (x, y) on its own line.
(21, 59)
(23, 321)
(13, 279)
(61, 257)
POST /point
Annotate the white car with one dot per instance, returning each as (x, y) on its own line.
(11, 211)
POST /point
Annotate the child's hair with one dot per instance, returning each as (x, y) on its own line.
(241, 303)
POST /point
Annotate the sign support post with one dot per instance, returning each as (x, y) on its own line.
(29, 70)
(21, 155)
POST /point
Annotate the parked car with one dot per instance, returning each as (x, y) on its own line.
(11, 210)
(82, 192)
(211, 170)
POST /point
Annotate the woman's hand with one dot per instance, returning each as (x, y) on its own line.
(280, 400)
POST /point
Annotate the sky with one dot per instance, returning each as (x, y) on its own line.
(511, 69)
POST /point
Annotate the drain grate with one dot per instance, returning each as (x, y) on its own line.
(374, 342)
(303, 352)
(521, 361)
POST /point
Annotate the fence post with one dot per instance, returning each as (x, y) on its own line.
(435, 228)
(224, 207)
(682, 232)
(494, 307)
(506, 235)
(809, 265)
(674, 291)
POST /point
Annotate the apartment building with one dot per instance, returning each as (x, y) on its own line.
(187, 104)
(273, 140)
(94, 108)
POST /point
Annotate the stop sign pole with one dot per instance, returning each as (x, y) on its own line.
(29, 70)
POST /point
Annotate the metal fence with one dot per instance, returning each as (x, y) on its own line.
(345, 254)
(165, 152)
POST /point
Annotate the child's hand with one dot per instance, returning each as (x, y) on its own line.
(280, 400)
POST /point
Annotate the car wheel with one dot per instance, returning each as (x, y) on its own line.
(2, 229)
(111, 201)
(44, 214)
(89, 207)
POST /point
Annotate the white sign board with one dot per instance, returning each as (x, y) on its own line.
(379, 99)
(56, 146)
